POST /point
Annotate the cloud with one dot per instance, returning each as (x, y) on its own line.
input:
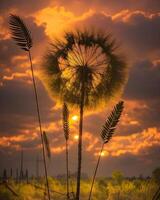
(18, 108)
(131, 165)
(54, 18)
(144, 81)
(109, 6)
(135, 144)
(9, 141)
(129, 28)
(23, 7)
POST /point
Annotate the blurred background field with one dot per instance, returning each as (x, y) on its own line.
(116, 187)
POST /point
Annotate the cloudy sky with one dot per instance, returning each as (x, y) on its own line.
(135, 146)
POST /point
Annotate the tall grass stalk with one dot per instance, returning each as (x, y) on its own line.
(22, 36)
(66, 135)
(106, 135)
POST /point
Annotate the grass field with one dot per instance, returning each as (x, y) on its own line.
(105, 189)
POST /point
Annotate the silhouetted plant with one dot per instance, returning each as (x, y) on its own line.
(66, 135)
(8, 187)
(11, 173)
(27, 176)
(47, 145)
(22, 36)
(83, 69)
(106, 135)
(4, 175)
(17, 176)
(5, 183)
(21, 166)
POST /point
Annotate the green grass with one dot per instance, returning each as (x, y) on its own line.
(104, 189)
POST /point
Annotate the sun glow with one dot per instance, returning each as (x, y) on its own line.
(104, 153)
(76, 137)
(74, 117)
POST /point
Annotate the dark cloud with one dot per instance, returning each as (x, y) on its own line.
(140, 33)
(8, 51)
(16, 124)
(23, 7)
(144, 81)
(17, 97)
(143, 87)
(111, 6)
(18, 108)
(137, 33)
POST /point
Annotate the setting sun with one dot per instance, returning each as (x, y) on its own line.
(74, 117)
(104, 153)
(76, 137)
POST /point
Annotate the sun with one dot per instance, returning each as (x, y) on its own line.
(76, 137)
(74, 117)
(104, 153)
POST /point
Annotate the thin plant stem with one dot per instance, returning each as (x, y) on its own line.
(95, 172)
(21, 166)
(79, 154)
(40, 125)
(67, 169)
(10, 189)
(73, 192)
(80, 140)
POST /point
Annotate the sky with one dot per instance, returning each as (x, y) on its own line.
(135, 147)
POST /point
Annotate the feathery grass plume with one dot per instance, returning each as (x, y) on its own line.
(20, 32)
(66, 135)
(110, 124)
(47, 145)
(84, 70)
(108, 130)
(22, 35)
(66, 121)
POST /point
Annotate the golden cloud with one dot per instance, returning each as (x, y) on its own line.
(135, 144)
(9, 141)
(17, 75)
(58, 19)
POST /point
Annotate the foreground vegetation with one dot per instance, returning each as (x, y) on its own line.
(115, 188)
